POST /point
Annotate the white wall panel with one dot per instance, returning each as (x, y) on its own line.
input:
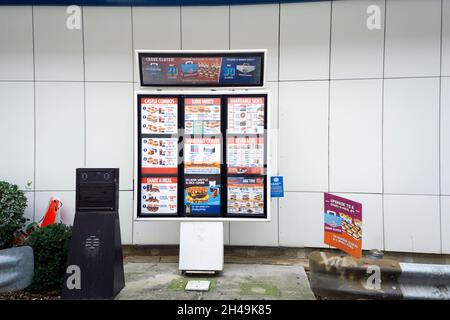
(411, 136)
(156, 232)
(356, 50)
(16, 38)
(301, 219)
(205, 28)
(356, 136)
(274, 145)
(29, 211)
(17, 133)
(59, 134)
(108, 43)
(147, 32)
(126, 216)
(445, 136)
(413, 34)
(304, 135)
(445, 227)
(256, 233)
(411, 223)
(446, 38)
(58, 50)
(109, 128)
(305, 40)
(67, 213)
(372, 214)
(256, 27)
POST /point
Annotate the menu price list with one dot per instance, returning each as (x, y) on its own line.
(159, 115)
(159, 195)
(245, 195)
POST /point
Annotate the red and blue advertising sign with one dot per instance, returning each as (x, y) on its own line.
(343, 224)
(195, 69)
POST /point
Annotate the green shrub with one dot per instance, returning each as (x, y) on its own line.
(50, 246)
(12, 206)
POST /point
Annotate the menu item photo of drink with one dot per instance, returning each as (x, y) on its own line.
(159, 115)
(159, 195)
(202, 115)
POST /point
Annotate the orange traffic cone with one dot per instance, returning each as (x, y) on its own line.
(52, 212)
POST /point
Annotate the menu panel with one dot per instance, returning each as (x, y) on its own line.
(245, 115)
(202, 195)
(202, 156)
(202, 115)
(159, 195)
(245, 195)
(245, 155)
(159, 115)
(159, 155)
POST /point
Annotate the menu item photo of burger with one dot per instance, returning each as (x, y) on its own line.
(159, 195)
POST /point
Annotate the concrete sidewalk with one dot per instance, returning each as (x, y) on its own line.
(154, 281)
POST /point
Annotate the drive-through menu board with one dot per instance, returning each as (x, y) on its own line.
(202, 155)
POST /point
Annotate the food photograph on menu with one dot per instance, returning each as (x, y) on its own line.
(245, 155)
(245, 195)
(159, 155)
(201, 70)
(159, 115)
(202, 115)
(202, 195)
(245, 115)
(159, 195)
(202, 156)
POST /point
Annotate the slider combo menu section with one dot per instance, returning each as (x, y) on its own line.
(158, 145)
(202, 155)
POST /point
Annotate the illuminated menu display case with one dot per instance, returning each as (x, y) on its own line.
(202, 155)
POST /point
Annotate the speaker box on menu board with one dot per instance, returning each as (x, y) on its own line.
(95, 260)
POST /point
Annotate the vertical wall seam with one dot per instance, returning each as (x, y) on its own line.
(278, 120)
(34, 113)
(382, 126)
(439, 128)
(181, 27)
(329, 91)
(133, 57)
(84, 87)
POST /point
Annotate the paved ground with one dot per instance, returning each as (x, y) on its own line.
(236, 282)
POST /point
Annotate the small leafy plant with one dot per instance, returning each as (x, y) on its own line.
(12, 207)
(50, 246)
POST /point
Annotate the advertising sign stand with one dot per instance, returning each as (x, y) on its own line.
(218, 132)
(201, 247)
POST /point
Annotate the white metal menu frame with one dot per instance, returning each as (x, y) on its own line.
(183, 129)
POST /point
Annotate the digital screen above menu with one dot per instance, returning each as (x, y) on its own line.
(202, 69)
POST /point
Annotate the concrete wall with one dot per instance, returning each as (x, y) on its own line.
(361, 113)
